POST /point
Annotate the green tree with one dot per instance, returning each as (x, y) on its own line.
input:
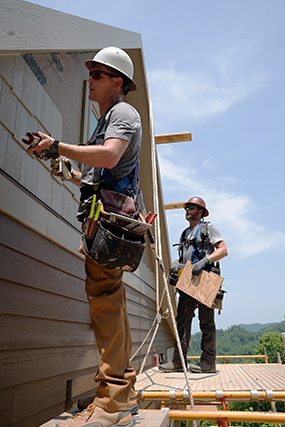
(273, 343)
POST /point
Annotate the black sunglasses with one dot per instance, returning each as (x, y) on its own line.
(96, 74)
(191, 207)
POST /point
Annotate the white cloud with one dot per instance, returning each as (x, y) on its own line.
(184, 95)
(233, 214)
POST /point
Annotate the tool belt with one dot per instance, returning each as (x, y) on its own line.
(112, 237)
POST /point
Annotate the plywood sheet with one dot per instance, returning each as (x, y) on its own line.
(203, 287)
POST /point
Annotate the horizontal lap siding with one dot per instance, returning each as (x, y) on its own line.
(46, 336)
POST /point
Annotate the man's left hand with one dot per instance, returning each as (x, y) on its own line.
(199, 265)
(62, 167)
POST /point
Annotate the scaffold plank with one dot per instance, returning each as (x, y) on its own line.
(228, 377)
(145, 417)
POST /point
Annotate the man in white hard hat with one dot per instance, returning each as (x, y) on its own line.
(109, 158)
(202, 244)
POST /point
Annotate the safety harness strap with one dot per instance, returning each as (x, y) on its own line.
(119, 186)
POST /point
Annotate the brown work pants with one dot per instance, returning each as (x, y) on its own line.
(107, 299)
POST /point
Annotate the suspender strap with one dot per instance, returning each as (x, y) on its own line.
(124, 182)
(135, 180)
(108, 179)
(196, 254)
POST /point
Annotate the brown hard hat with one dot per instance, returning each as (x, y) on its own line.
(199, 202)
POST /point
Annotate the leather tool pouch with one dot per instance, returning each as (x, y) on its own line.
(117, 202)
(113, 246)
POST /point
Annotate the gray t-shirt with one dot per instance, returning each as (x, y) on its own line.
(121, 121)
(187, 241)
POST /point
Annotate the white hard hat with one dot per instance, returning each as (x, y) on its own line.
(117, 59)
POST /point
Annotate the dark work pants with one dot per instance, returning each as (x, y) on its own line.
(186, 308)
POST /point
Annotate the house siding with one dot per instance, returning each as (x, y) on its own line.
(46, 336)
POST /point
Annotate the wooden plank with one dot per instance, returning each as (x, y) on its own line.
(145, 417)
(203, 287)
(173, 137)
(175, 205)
(230, 377)
(152, 418)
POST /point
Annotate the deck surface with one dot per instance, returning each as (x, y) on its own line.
(229, 377)
(144, 418)
(243, 377)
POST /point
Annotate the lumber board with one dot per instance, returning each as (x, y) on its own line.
(174, 205)
(203, 287)
(173, 137)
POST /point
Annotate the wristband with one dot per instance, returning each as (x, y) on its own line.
(55, 146)
(52, 153)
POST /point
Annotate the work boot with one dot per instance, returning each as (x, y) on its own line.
(94, 416)
(84, 402)
(170, 367)
(202, 368)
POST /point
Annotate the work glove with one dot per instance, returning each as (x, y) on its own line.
(173, 273)
(199, 265)
(62, 167)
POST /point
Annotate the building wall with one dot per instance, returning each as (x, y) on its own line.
(46, 336)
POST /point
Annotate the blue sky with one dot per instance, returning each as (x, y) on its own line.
(216, 68)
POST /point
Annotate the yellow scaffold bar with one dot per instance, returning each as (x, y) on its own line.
(266, 395)
(258, 417)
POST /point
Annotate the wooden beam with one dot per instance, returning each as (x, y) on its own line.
(173, 137)
(175, 205)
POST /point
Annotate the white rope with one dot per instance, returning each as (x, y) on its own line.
(149, 332)
(159, 254)
(149, 347)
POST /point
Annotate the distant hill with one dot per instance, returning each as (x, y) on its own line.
(255, 327)
(237, 339)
